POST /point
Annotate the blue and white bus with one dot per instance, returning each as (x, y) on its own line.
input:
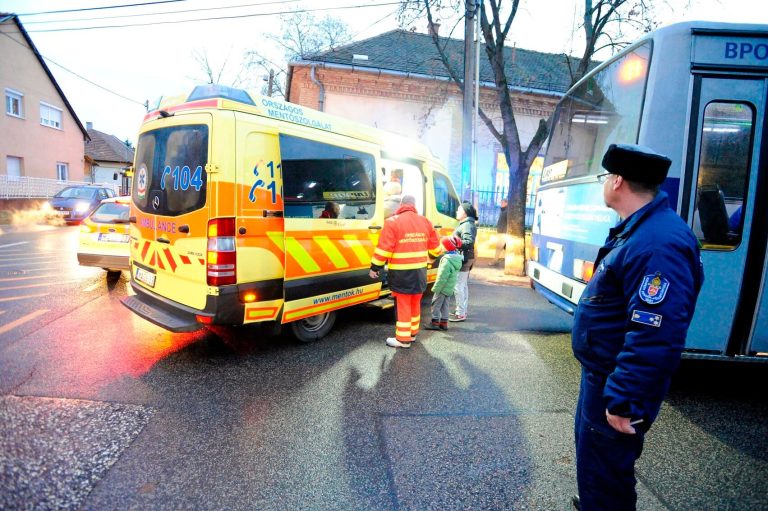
(697, 93)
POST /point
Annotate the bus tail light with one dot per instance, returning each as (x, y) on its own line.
(587, 270)
(583, 269)
(221, 260)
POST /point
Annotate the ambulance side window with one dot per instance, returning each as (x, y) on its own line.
(316, 174)
(445, 197)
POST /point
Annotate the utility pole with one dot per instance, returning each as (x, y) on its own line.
(271, 82)
(468, 107)
(476, 90)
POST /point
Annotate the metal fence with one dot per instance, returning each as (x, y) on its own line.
(23, 187)
(489, 202)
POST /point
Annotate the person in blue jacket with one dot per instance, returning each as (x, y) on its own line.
(630, 326)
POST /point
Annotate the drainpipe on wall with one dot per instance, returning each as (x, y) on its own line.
(321, 99)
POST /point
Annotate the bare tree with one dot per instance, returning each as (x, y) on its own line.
(602, 22)
(213, 73)
(301, 35)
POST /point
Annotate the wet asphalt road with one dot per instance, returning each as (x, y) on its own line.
(102, 410)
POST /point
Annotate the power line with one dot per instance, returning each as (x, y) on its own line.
(70, 71)
(94, 83)
(101, 8)
(241, 16)
(158, 13)
(374, 23)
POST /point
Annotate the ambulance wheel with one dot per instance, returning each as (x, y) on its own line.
(314, 327)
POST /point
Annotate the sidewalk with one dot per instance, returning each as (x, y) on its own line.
(482, 271)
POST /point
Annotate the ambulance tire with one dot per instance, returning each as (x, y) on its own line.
(313, 328)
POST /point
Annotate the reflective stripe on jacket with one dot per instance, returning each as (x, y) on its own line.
(406, 242)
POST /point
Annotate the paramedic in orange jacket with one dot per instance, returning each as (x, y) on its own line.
(406, 242)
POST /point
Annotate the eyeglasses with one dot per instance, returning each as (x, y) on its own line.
(602, 178)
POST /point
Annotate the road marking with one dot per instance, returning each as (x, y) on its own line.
(91, 288)
(22, 297)
(14, 244)
(24, 271)
(22, 320)
(25, 263)
(27, 257)
(11, 279)
(3, 288)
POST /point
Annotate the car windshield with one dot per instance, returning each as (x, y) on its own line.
(111, 213)
(77, 193)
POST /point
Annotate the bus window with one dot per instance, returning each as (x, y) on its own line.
(604, 108)
(315, 174)
(723, 175)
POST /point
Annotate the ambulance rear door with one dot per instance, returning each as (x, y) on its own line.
(172, 196)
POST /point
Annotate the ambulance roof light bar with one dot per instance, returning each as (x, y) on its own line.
(211, 91)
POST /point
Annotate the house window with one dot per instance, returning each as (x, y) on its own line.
(13, 166)
(50, 115)
(62, 171)
(13, 104)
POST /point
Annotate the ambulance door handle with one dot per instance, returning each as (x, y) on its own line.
(132, 219)
(437, 226)
(374, 227)
(163, 240)
(184, 228)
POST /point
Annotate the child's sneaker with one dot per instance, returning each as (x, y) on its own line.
(391, 341)
(434, 325)
(443, 325)
(458, 317)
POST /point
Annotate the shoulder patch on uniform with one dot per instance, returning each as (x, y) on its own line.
(646, 318)
(653, 289)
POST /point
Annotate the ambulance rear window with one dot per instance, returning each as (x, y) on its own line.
(170, 177)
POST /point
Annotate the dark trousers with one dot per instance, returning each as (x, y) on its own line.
(605, 458)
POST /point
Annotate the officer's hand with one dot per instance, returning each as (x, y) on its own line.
(373, 274)
(620, 424)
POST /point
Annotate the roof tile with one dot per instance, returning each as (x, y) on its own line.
(411, 52)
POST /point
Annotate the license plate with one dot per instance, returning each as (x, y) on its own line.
(146, 277)
(112, 237)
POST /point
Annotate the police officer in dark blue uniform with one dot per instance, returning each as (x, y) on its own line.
(630, 326)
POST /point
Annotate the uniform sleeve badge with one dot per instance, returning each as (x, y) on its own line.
(653, 288)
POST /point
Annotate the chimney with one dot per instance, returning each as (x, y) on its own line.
(88, 125)
(434, 29)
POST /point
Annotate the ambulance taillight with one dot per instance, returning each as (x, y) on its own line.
(221, 258)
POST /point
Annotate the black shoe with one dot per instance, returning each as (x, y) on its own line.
(432, 326)
(576, 501)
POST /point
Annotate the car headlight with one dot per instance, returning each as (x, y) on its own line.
(82, 207)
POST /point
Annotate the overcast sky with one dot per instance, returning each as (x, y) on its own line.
(142, 63)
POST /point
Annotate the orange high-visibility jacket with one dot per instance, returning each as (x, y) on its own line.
(406, 242)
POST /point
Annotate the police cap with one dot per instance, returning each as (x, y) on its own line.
(636, 163)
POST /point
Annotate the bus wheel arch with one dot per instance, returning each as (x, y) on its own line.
(313, 328)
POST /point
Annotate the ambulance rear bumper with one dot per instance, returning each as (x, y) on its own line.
(155, 311)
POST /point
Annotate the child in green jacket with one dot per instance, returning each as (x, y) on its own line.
(444, 286)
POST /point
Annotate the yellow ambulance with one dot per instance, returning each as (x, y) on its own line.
(247, 209)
